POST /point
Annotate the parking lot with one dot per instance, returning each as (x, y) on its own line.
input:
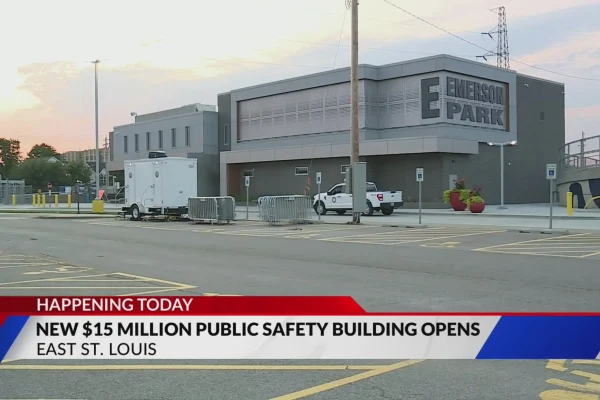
(481, 239)
(441, 268)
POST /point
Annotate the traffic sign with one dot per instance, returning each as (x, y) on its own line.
(247, 182)
(49, 186)
(318, 178)
(419, 174)
(551, 171)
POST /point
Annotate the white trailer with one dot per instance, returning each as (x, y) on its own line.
(159, 186)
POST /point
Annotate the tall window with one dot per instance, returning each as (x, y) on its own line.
(187, 136)
(147, 140)
(160, 140)
(174, 137)
(226, 135)
(125, 144)
(136, 142)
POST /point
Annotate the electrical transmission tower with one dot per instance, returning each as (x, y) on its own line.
(501, 32)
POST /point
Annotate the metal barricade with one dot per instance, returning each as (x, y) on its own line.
(285, 209)
(211, 209)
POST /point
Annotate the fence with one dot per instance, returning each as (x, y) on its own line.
(579, 154)
(8, 188)
(211, 209)
(285, 209)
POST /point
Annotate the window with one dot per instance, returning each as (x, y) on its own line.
(249, 172)
(160, 140)
(187, 136)
(371, 187)
(136, 142)
(174, 137)
(301, 170)
(147, 140)
(344, 168)
(337, 189)
(125, 143)
(226, 135)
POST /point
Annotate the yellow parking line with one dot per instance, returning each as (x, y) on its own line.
(62, 278)
(173, 289)
(172, 367)
(82, 288)
(525, 241)
(556, 365)
(589, 375)
(396, 240)
(591, 255)
(525, 253)
(589, 387)
(587, 362)
(345, 381)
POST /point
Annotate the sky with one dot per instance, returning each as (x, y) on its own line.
(160, 55)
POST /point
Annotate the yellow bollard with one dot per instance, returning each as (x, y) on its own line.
(43, 200)
(33, 202)
(69, 201)
(14, 200)
(56, 200)
(569, 203)
(39, 200)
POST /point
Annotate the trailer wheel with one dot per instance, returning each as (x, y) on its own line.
(135, 213)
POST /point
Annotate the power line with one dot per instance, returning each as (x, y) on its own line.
(484, 49)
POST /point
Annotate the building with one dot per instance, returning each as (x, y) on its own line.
(436, 113)
(88, 155)
(189, 131)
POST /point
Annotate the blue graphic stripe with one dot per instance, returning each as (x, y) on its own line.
(543, 338)
(9, 331)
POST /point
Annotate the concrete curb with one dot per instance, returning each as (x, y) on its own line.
(75, 216)
(484, 215)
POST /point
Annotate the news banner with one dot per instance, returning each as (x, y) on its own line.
(301, 328)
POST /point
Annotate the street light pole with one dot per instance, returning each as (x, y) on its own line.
(354, 138)
(502, 206)
(97, 137)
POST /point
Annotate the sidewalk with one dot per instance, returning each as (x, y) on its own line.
(515, 217)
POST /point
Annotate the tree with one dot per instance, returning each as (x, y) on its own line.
(38, 172)
(78, 171)
(43, 150)
(10, 156)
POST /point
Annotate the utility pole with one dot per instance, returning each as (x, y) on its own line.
(354, 139)
(97, 138)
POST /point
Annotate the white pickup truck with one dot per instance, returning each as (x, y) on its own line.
(335, 199)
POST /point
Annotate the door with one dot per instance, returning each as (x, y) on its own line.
(129, 185)
(333, 197)
(452, 181)
(157, 187)
(344, 199)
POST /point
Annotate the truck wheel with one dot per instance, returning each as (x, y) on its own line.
(369, 210)
(135, 212)
(320, 208)
(387, 210)
(340, 212)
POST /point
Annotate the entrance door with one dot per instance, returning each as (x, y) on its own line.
(452, 181)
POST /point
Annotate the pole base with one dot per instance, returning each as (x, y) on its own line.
(502, 208)
(356, 218)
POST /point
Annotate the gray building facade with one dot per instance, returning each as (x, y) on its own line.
(438, 113)
(189, 131)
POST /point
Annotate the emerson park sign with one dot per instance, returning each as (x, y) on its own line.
(487, 95)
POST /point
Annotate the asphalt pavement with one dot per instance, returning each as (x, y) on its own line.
(443, 268)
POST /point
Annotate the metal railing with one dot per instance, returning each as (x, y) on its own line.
(285, 209)
(211, 209)
(580, 154)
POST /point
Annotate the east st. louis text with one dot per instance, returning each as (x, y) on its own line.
(224, 329)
